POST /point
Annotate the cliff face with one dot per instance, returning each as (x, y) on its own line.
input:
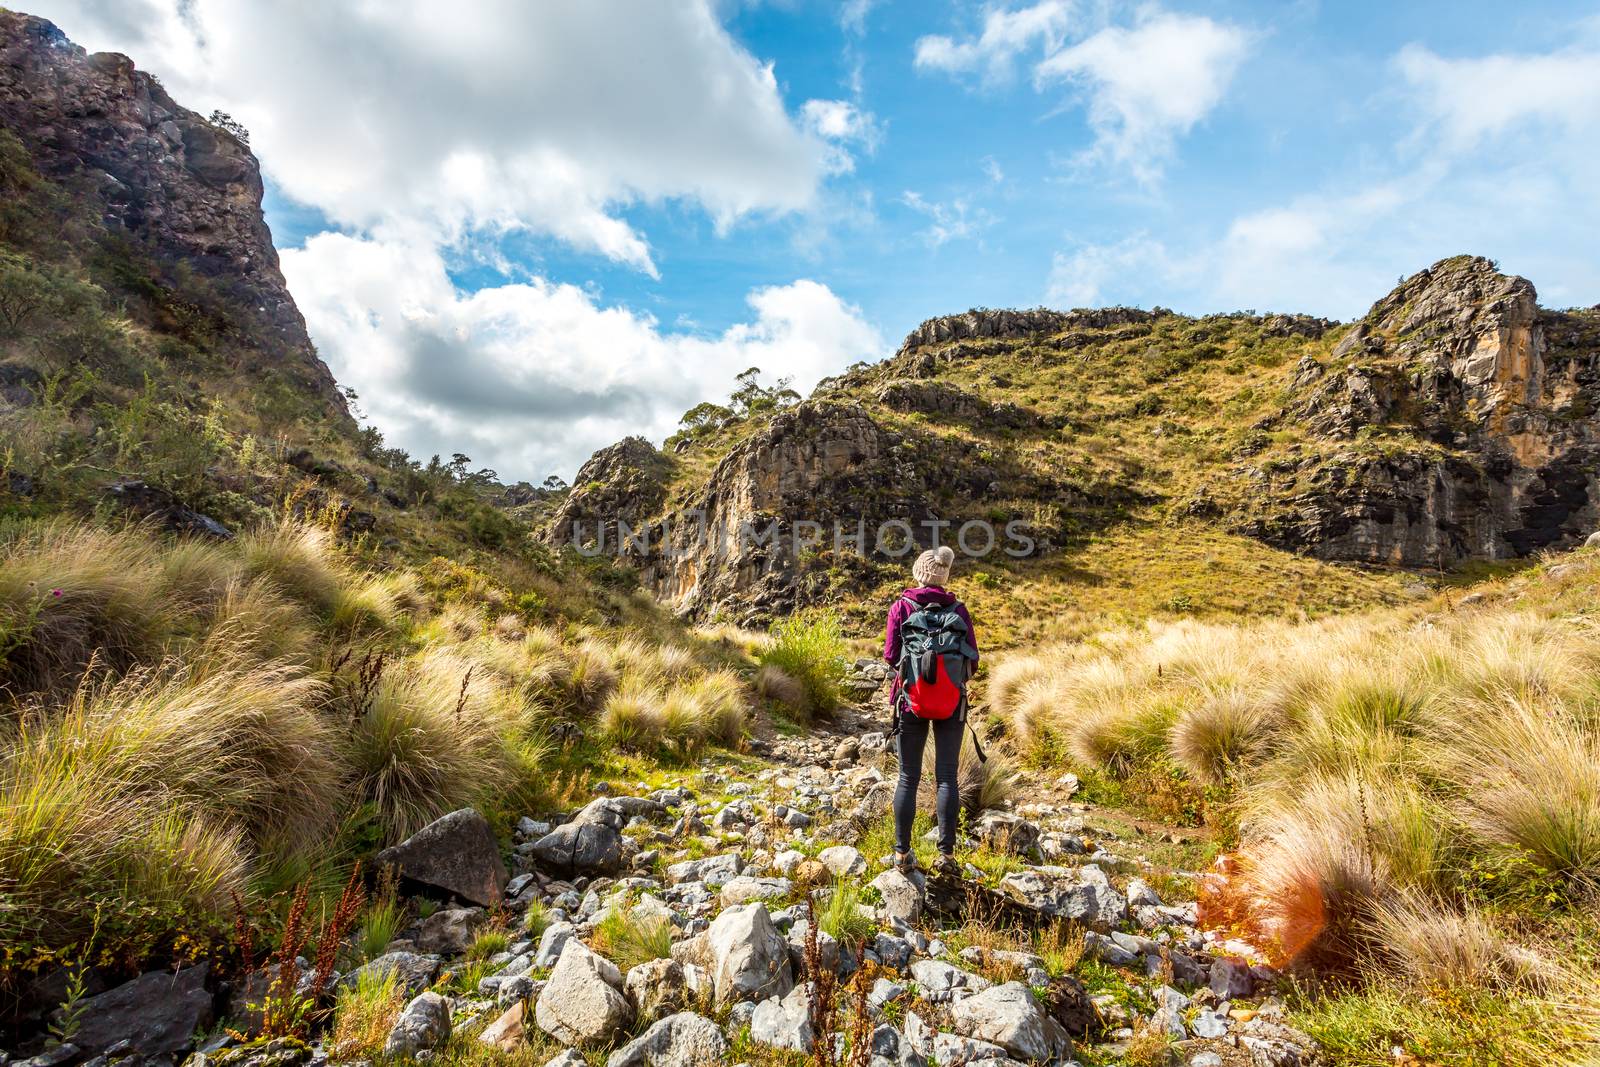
(1459, 420)
(187, 192)
(1455, 421)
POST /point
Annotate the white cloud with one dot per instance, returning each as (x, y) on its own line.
(1143, 86)
(531, 378)
(1006, 35)
(951, 221)
(1079, 278)
(430, 131)
(486, 115)
(841, 123)
(1149, 84)
(853, 15)
(1470, 99)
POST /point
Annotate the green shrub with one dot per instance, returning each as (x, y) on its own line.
(810, 648)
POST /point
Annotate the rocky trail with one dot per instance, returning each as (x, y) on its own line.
(1051, 946)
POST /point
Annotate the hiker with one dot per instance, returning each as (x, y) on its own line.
(930, 642)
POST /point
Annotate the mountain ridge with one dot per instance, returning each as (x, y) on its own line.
(1448, 425)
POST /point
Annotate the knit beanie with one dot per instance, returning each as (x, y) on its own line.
(933, 566)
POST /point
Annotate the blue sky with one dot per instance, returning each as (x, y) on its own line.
(523, 230)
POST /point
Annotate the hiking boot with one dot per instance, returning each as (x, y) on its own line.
(905, 862)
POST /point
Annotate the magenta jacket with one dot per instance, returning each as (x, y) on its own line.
(901, 611)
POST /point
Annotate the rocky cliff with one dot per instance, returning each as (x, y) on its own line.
(1455, 421)
(185, 191)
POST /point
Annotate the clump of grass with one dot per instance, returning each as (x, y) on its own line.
(1224, 733)
(810, 648)
(629, 939)
(631, 718)
(536, 919)
(69, 591)
(299, 559)
(364, 1013)
(383, 918)
(487, 943)
(425, 742)
(1061, 947)
(842, 917)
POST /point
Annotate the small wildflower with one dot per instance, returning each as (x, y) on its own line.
(55, 592)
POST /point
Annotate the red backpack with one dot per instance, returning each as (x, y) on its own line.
(936, 658)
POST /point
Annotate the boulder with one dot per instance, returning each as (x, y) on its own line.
(156, 1014)
(1084, 895)
(747, 957)
(580, 848)
(1009, 1016)
(1231, 979)
(714, 871)
(656, 989)
(1001, 831)
(902, 899)
(551, 942)
(423, 1025)
(890, 1049)
(456, 853)
(506, 1032)
(953, 1050)
(784, 1022)
(744, 889)
(681, 1040)
(843, 861)
(580, 1004)
(447, 932)
(570, 1058)
(938, 980)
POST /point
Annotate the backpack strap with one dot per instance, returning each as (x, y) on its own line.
(976, 744)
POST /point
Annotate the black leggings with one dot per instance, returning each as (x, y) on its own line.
(913, 740)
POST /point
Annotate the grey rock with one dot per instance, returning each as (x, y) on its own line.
(1084, 894)
(423, 1025)
(747, 957)
(581, 1004)
(580, 848)
(1009, 1016)
(156, 1014)
(843, 861)
(902, 898)
(784, 1022)
(1001, 831)
(447, 932)
(456, 853)
(714, 871)
(681, 1040)
(656, 989)
(569, 1058)
(1231, 979)
(551, 942)
(744, 889)
(936, 979)
(953, 1050)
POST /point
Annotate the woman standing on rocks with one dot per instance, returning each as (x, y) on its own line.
(931, 644)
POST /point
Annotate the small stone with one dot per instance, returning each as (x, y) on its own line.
(843, 861)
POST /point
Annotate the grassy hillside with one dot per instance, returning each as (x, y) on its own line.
(1142, 426)
(1412, 796)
